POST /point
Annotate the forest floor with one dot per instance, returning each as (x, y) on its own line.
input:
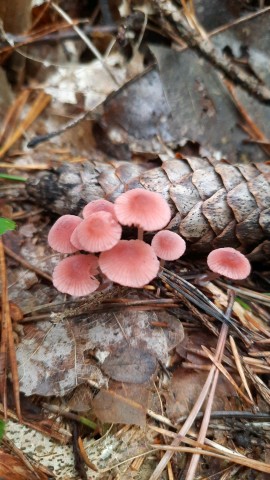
(171, 380)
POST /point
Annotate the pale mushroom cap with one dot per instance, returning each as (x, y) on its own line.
(98, 232)
(75, 241)
(74, 275)
(98, 206)
(60, 233)
(229, 262)
(132, 263)
(168, 245)
(139, 207)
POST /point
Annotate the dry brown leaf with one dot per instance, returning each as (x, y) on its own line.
(12, 468)
(185, 388)
(129, 364)
(192, 344)
(122, 403)
(54, 358)
(15, 312)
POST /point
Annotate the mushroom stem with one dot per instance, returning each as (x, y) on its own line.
(140, 233)
(105, 284)
(162, 263)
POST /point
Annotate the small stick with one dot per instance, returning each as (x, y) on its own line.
(21, 456)
(239, 367)
(207, 50)
(62, 34)
(70, 415)
(44, 138)
(233, 414)
(26, 264)
(228, 376)
(12, 115)
(37, 107)
(85, 39)
(159, 418)
(4, 331)
(84, 455)
(212, 452)
(253, 129)
(7, 342)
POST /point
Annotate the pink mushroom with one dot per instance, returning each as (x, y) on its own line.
(75, 240)
(98, 206)
(132, 263)
(74, 275)
(168, 245)
(98, 232)
(146, 210)
(60, 233)
(229, 262)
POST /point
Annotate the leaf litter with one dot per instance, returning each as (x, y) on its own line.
(125, 343)
(128, 364)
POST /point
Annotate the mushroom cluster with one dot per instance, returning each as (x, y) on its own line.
(95, 240)
(98, 248)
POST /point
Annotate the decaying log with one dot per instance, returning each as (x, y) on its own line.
(214, 204)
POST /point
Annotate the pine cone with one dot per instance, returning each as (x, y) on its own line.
(214, 204)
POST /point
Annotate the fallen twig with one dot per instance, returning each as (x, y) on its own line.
(206, 49)
(85, 39)
(26, 264)
(7, 343)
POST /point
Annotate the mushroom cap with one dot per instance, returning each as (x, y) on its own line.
(74, 275)
(168, 245)
(139, 207)
(229, 262)
(60, 233)
(132, 263)
(98, 232)
(98, 206)
(75, 240)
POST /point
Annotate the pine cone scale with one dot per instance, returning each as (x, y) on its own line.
(213, 203)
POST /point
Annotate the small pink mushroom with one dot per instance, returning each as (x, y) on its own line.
(74, 275)
(98, 206)
(132, 263)
(229, 262)
(144, 209)
(60, 233)
(98, 232)
(168, 245)
(75, 240)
